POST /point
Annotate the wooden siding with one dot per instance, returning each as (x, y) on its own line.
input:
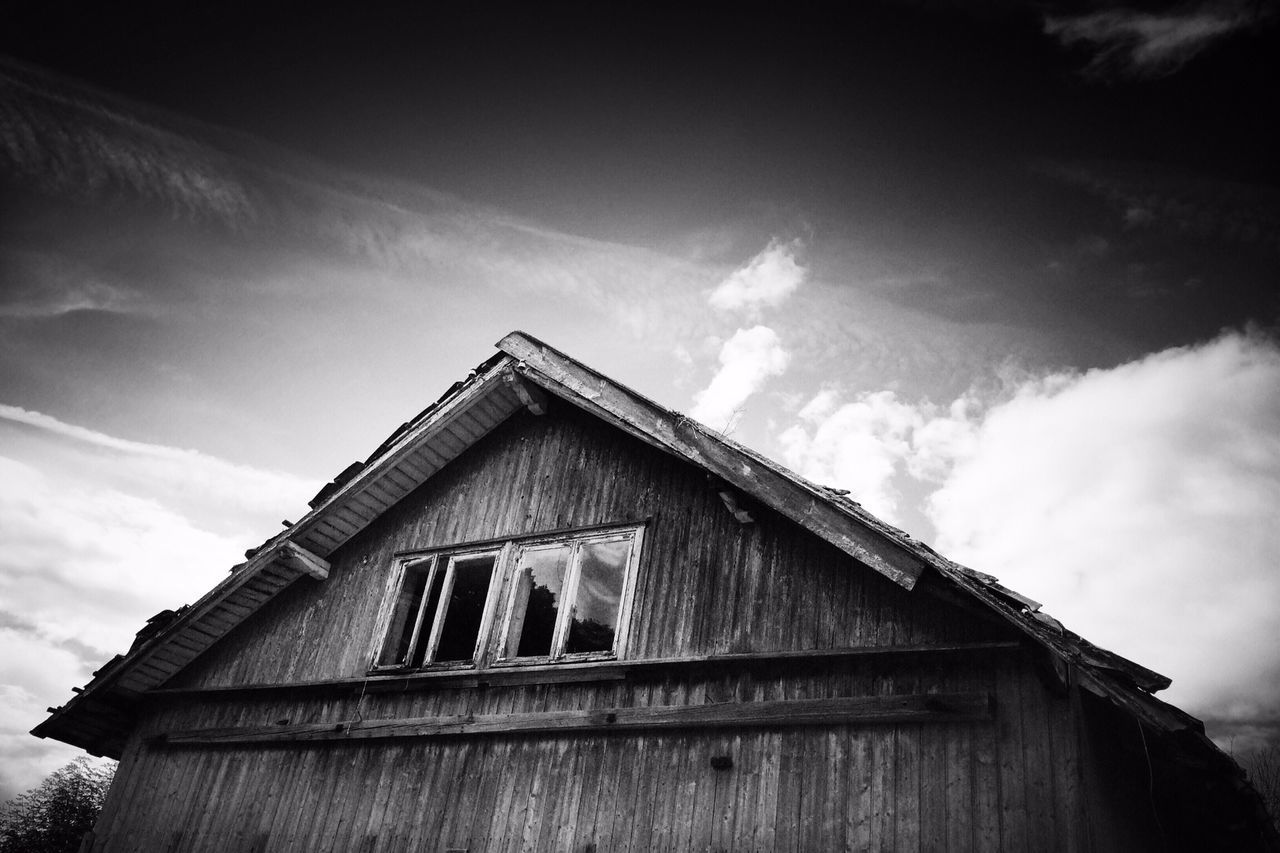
(707, 586)
(1009, 784)
(706, 583)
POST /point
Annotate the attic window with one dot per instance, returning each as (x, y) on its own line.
(566, 597)
(439, 610)
(533, 600)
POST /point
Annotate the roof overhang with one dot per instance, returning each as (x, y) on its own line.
(97, 717)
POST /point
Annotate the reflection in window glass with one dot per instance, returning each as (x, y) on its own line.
(538, 581)
(601, 569)
(465, 609)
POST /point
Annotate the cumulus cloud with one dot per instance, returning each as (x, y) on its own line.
(98, 534)
(858, 445)
(766, 280)
(1141, 503)
(747, 361)
(1146, 44)
(877, 442)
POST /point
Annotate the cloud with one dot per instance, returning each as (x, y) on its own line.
(856, 445)
(32, 677)
(224, 495)
(1144, 44)
(65, 139)
(766, 280)
(98, 534)
(87, 565)
(1140, 503)
(878, 444)
(747, 360)
(70, 142)
(43, 285)
(1180, 204)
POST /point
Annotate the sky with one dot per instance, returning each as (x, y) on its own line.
(1008, 272)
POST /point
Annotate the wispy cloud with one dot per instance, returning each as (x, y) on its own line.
(99, 533)
(1146, 44)
(224, 493)
(41, 285)
(1182, 204)
(69, 141)
(72, 141)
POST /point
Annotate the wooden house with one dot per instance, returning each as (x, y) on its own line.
(549, 614)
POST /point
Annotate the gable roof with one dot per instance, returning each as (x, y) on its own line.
(520, 375)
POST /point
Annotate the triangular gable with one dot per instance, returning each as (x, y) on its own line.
(524, 370)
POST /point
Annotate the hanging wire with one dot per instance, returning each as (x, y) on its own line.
(1151, 787)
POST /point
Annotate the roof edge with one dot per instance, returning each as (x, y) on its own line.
(783, 491)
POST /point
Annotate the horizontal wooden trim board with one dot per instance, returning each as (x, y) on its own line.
(500, 540)
(612, 670)
(907, 708)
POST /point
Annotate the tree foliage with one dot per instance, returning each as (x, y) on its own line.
(55, 815)
(1262, 766)
(1264, 772)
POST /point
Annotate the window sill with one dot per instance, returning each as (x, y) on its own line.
(603, 670)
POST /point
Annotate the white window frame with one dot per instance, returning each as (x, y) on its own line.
(449, 557)
(500, 599)
(569, 594)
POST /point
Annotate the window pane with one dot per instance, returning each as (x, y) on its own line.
(602, 568)
(405, 615)
(536, 600)
(465, 609)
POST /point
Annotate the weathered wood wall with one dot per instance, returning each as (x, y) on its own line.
(1010, 784)
(706, 585)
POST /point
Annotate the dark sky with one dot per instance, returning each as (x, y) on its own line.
(976, 143)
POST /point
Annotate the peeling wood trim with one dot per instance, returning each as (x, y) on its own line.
(783, 713)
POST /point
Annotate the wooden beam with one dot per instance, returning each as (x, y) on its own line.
(301, 560)
(532, 397)
(753, 475)
(859, 710)
(596, 670)
(730, 501)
